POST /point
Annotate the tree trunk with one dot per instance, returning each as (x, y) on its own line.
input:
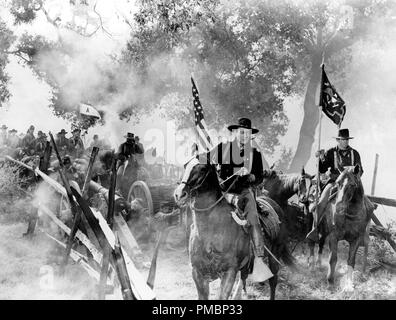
(311, 118)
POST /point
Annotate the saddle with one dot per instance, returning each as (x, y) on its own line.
(267, 215)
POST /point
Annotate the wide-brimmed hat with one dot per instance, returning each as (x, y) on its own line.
(129, 135)
(4, 127)
(63, 131)
(243, 123)
(343, 134)
(76, 130)
(13, 130)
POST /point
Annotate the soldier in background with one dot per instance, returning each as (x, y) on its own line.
(139, 156)
(28, 142)
(62, 142)
(76, 145)
(13, 139)
(41, 143)
(128, 170)
(129, 148)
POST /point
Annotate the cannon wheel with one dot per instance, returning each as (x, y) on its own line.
(140, 190)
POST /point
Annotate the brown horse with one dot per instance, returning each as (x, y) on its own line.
(346, 217)
(281, 187)
(219, 247)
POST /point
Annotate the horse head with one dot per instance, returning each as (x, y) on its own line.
(303, 186)
(349, 186)
(196, 177)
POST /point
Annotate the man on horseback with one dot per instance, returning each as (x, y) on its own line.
(241, 170)
(333, 162)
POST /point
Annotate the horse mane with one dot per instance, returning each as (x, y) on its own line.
(359, 191)
(287, 180)
(279, 185)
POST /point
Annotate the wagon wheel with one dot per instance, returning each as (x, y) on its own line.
(139, 190)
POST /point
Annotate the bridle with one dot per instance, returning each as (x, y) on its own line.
(308, 188)
(191, 189)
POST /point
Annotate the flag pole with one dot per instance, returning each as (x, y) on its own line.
(313, 235)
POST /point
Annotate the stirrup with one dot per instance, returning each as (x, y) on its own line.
(261, 272)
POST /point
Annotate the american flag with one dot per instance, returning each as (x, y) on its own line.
(200, 124)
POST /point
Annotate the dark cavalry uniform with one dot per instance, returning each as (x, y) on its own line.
(232, 157)
(41, 143)
(336, 159)
(63, 145)
(125, 177)
(127, 149)
(28, 143)
(76, 146)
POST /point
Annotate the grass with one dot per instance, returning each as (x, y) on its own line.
(23, 261)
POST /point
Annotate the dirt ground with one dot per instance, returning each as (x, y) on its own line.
(24, 265)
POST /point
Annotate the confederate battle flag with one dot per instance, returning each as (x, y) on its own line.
(332, 104)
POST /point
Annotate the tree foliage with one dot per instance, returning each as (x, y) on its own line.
(6, 39)
(246, 57)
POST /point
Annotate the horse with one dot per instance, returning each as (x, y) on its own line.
(346, 217)
(281, 187)
(218, 246)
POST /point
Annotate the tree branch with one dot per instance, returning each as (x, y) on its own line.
(18, 54)
(57, 26)
(101, 21)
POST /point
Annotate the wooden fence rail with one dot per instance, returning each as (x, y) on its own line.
(384, 201)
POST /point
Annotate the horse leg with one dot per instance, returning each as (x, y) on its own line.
(238, 289)
(273, 281)
(243, 275)
(333, 243)
(311, 257)
(201, 284)
(320, 251)
(353, 248)
(227, 283)
(366, 241)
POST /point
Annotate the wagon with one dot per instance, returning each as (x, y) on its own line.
(154, 197)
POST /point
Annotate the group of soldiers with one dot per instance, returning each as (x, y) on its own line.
(30, 144)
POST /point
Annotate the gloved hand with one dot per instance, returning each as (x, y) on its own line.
(320, 154)
(243, 171)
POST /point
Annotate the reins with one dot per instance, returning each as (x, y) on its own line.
(218, 200)
(214, 204)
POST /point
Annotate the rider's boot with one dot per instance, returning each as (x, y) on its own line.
(261, 272)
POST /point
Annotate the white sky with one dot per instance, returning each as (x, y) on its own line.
(374, 134)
